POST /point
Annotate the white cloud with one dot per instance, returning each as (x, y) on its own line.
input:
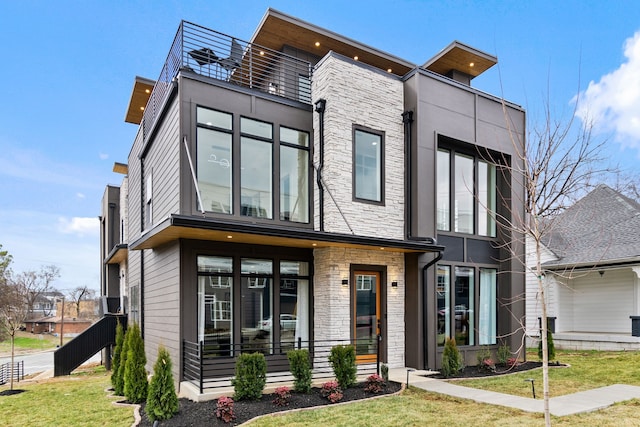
(80, 195)
(613, 103)
(103, 156)
(78, 226)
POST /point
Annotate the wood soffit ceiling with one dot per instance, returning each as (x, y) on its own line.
(139, 96)
(173, 233)
(278, 30)
(462, 58)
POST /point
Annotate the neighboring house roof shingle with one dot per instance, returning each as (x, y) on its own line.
(601, 228)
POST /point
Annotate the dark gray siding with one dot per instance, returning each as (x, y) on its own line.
(443, 108)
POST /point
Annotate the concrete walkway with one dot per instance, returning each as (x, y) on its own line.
(584, 401)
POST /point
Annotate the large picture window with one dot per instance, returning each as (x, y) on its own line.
(465, 194)
(271, 300)
(235, 168)
(368, 165)
(457, 307)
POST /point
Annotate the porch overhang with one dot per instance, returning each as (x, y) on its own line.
(178, 227)
(117, 254)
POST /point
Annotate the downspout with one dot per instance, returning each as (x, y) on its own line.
(320, 106)
(407, 119)
(424, 303)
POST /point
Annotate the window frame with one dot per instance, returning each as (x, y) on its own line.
(449, 325)
(454, 150)
(238, 135)
(381, 134)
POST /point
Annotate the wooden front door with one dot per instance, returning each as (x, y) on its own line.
(366, 306)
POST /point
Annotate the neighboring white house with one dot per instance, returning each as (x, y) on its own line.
(591, 260)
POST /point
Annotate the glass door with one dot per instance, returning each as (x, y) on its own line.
(366, 306)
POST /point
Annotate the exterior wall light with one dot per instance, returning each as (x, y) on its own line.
(394, 284)
(345, 282)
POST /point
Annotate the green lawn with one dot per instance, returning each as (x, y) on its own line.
(27, 342)
(80, 400)
(587, 370)
(76, 400)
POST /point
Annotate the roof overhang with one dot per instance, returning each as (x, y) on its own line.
(117, 254)
(278, 29)
(462, 58)
(140, 94)
(603, 264)
(187, 227)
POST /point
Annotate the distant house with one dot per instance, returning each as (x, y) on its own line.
(54, 325)
(44, 304)
(591, 259)
(305, 189)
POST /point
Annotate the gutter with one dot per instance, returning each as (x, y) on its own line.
(320, 107)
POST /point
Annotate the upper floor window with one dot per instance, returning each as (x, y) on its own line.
(253, 184)
(256, 168)
(465, 194)
(294, 175)
(368, 166)
(215, 160)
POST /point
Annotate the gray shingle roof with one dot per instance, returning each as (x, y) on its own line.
(601, 228)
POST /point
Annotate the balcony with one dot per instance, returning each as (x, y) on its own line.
(224, 58)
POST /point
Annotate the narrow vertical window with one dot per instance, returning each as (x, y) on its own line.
(487, 308)
(464, 199)
(256, 317)
(443, 287)
(464, 305)
(148, 192)
(256, 168)
(294, 175)
(443, 182)
(214, 160)
(215, 307)
(486, 199)
(368, 173)
(294, 304)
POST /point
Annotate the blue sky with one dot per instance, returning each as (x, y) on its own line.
(68, 70)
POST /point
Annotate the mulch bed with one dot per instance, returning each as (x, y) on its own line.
(203, 413)
(481, 372)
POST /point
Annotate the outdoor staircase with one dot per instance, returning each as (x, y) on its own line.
(80, 349)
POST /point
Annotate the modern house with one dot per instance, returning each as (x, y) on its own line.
(303, 189)
(591, 259)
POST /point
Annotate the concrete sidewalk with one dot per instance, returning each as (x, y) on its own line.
(585, 401)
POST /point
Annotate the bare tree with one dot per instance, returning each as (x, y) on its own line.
(561, 164)
(13, 310)
(35, 283)
(5, 271)
(79, 294)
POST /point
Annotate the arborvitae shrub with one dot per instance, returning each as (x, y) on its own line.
(451, 360)
(162, 400)
(251, 376)
(343, 362)
(503, 354)
(116, 381)
(384, 371)
(551, 349)
(300, 368)
(135, 374)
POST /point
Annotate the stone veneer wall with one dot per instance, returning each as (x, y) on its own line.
(359, 95)
(332, 302)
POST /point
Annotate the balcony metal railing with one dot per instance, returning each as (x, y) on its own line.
(222, 57)
(211, 367)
